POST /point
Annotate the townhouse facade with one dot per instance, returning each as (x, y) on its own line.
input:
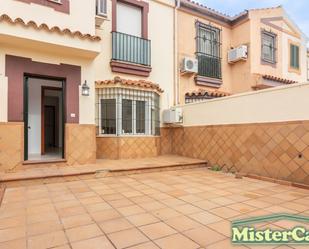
(81, 80)
(273, 51)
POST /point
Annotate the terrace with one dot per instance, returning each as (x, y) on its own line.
(189, 208)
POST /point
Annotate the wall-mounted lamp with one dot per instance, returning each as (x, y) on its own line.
(85, 89)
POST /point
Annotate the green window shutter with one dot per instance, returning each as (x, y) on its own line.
(294, 56)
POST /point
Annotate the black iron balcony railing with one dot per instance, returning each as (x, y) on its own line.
(209, 66)
(129, 48)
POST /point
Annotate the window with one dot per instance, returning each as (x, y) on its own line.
(129, 19)
(294, 56)
(122, 111)
(268, 47)
(101, 8)
(108, 114)
(208, 51)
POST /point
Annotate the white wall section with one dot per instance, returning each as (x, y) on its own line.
(287, 103)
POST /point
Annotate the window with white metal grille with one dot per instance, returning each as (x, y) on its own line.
(123, 111)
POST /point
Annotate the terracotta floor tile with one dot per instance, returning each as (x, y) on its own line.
(62, 247)
(14, 244)
(130, 210)
(205, 217)
(166, 213)
(190, 198)
(176, 241)
(121, 203)
(224, 212)
(223, 227)
(294, 206)
(12, 233)
(204, 236)
(223, 201)
(96, 207)
(142, 219)
(12, 222)
(105, 215)
(149, 206)
(71, 211)
(242, 207)
(157, 230)
(206, 205)
(111, 226)
(187, 209)
(226, 244)
(94, 243)
(48, 240)
(42, 217)
(147, 245)
(76, 220)
(83, 232)
(173, 202)
(182, 223)
(127, 238)
(43, 227)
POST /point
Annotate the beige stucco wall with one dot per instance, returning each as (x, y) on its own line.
(241, 70)
(281, 68)
(86, 104)
(3, 98)
(160, 32)
(242, 75)
(285, 103)
(187, 48)
(81, 15)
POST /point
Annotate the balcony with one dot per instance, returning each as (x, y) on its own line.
(131, 54)
(209, 70)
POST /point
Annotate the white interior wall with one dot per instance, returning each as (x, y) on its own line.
(34, 112)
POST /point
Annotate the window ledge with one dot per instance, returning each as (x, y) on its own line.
(207, 81)
(125, 136)
(130, 68)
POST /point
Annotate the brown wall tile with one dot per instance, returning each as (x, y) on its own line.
(274, 150)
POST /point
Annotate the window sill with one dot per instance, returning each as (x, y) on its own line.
(268, 63)
(130, 68)
(207, 81)
(56, 2)
(126, 136)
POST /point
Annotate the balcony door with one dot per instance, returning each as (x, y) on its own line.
(129, 19)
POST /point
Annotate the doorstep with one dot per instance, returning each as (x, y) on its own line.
(109, 167)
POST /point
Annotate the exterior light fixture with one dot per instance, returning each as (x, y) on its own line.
(85, 89)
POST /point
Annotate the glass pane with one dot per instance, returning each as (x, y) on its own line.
(127, 116)
(108, 116)
(140, 116)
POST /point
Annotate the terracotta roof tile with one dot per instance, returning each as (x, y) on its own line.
(133, 83)
(227, 18)
(281, 80)
(201, 92)
(43, 26)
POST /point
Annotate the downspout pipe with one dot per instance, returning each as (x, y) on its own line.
(176, 60)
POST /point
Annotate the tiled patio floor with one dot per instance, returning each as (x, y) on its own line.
(183, 209)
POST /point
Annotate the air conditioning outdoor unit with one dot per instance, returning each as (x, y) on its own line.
(237, 54)
(189, 65)
(173, 116)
